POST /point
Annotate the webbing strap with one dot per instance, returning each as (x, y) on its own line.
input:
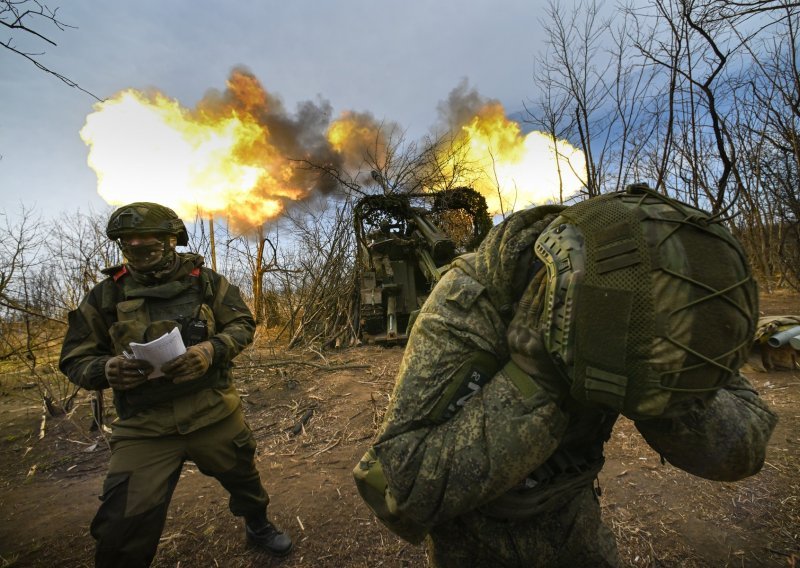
(605, 387)
(522, 380)
(547, 488)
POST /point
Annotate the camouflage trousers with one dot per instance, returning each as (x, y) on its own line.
(573, 536)
(143, 474)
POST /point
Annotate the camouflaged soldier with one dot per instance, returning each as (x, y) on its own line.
(526, 353)
(191, 413)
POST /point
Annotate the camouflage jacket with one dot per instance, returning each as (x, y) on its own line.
(119, 310)
(441, 465)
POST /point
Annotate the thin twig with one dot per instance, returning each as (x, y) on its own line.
(307, 363)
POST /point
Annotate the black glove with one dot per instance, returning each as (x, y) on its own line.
(124, 373)
(191, 365)
(526, 344)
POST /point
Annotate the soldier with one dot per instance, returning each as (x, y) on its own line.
(524, 356)
(192, 413)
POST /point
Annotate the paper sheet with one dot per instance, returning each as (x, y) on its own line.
(159, 351)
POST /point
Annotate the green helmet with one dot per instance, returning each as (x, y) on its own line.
(143, 217)
(649, 302)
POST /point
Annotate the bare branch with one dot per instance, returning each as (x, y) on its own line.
(23, 16)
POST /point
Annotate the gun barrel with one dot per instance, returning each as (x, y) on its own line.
(442, 247)
(428, 266)
(784, 337)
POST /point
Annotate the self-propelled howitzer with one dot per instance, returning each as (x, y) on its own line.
(403, 251)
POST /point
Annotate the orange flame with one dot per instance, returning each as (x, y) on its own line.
(487, 152)
(236, 154)
(217, 159)
(513, 170)
(356, 137)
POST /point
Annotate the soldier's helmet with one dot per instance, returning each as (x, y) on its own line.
(650, 304)
(144, 217)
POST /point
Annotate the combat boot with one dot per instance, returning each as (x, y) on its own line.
(263, 534)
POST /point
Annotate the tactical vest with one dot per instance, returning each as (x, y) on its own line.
(144, 313)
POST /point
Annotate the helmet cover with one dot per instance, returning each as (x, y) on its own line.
(649, 302)
(146, 218)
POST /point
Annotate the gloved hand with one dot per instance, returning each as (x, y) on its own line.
(124, 373)
(191, 365)
(526, 343)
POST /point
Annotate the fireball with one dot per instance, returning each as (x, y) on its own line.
(238, 155)
(211, 161)
(517, 170)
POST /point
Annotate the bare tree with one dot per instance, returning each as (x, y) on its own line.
(31, 329)
(575, 84)
(768, 112)
(697, 97)
(29, 18)
(78, 249)
(551, 114)
(20, 245)
(317, 278)
(261, 262)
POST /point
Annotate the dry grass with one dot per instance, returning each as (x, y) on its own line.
(313, 415)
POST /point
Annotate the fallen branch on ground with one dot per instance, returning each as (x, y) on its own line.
(307, 363)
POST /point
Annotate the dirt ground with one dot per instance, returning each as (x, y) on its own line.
(660, 515)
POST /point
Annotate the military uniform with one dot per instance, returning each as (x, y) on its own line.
(496, 466)
(160, 424)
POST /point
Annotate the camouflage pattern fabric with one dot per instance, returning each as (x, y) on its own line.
(572, 536)
(119, 310)
(142, 476)
(160, 425)
(770, 325)
(444, 475)
(504, 263)
(144, 217)
(724, 439)
(438, 471)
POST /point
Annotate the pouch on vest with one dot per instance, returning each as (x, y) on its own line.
(158, 328)
(374, 490)
(132, 321)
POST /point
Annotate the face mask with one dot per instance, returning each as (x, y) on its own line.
(144, 257)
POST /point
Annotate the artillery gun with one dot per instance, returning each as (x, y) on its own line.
(405, 242)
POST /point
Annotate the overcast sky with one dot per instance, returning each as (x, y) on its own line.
(396, 60)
